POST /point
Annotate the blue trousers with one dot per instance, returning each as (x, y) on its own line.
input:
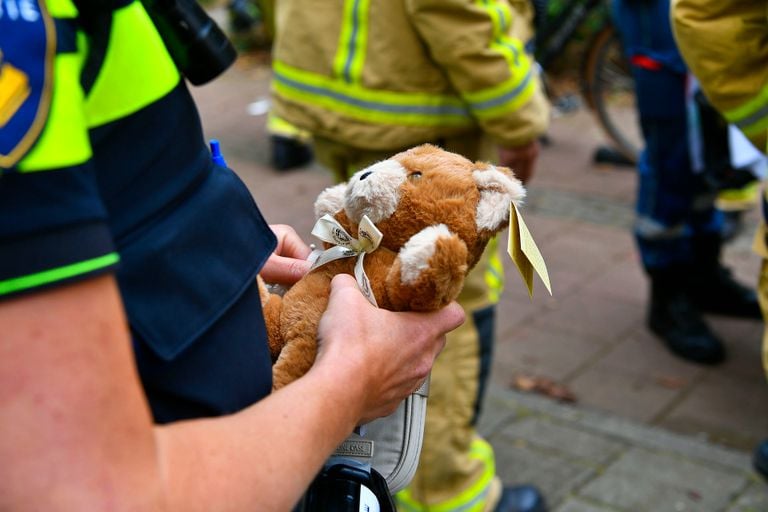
(675, 204)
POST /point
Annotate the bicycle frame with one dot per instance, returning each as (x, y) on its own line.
(553, 35)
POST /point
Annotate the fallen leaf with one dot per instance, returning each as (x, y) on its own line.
(542, 386)
(669, 382)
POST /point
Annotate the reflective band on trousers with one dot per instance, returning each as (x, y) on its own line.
(471, 499)
(494, 272)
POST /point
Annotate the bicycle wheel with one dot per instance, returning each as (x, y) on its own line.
(609, 90)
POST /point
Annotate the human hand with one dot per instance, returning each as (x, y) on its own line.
(521, 159)
(289, 261)
(381, 356)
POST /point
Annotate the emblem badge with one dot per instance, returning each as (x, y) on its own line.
(27, 50)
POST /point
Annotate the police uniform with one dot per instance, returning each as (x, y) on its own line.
(105, 170)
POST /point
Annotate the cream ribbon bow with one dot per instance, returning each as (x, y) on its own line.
(329, 230)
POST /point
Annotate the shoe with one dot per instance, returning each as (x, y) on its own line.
(289, 153)
(521, 498)
(679, 324)
(760, 459)
(717, 292)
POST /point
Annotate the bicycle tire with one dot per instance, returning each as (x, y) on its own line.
(609, 90)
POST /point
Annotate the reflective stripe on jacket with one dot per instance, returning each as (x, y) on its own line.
(391, 74)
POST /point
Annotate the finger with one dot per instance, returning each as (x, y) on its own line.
(453, 315)
(341, 282)
(282, 270)
(289, 243)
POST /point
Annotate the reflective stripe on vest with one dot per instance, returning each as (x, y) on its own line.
(752, 116)
(137, 71)
(472, 499)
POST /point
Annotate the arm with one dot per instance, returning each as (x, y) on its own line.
(486, 64)
(724, 44)
(77, 432)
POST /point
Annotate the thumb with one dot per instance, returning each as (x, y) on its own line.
(341, 282)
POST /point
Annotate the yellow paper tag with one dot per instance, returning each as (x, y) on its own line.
(524, 252)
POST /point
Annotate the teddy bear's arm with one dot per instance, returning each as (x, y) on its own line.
(429, 270)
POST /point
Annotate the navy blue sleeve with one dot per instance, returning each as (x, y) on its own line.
(52, 229)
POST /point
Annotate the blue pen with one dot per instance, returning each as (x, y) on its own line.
(216, 155)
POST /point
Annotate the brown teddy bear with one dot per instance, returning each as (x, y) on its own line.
(422, 218)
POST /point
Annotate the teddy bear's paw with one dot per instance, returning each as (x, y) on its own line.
(429, 270)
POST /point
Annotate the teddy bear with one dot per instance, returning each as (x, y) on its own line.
(423, 218)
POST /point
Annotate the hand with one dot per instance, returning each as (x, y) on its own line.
(289, 261)
(383, 354)
(521, 159)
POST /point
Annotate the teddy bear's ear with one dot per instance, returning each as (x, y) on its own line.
(498, 188)
(330, 200)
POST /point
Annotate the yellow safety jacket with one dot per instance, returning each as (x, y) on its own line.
(385, 75)
(724, 43)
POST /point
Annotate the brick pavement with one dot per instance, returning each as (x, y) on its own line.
(647, 432)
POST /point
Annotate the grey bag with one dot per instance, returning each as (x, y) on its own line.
(391, 445)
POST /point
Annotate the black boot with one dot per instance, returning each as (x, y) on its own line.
(760, 458)
(675, 319)
(521, 498)
(288, 153)
(712, 287)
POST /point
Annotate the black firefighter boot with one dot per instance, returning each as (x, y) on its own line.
(674, 318)
(712, 287)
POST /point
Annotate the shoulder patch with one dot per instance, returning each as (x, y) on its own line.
(27, 50)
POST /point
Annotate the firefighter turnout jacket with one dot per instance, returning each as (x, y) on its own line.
(386, 75)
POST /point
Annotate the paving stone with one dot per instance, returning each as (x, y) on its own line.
(657, 482)
(579, 505)
(549, 435)
(507, 405)
(554, 475)
(593, 316)
(710, 408)
(635, 395)
(641, 353)
(753, 499)
(538, 350)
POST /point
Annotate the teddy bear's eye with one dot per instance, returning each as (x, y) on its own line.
(414, 176)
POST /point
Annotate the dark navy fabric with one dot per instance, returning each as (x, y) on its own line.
(223, 371)
(646, 32)
(149, 161)
(49, 200)
(670, 194)
(191, 241)
(49, 220)
(186, 267)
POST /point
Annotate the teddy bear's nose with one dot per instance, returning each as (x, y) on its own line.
(365, 175)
